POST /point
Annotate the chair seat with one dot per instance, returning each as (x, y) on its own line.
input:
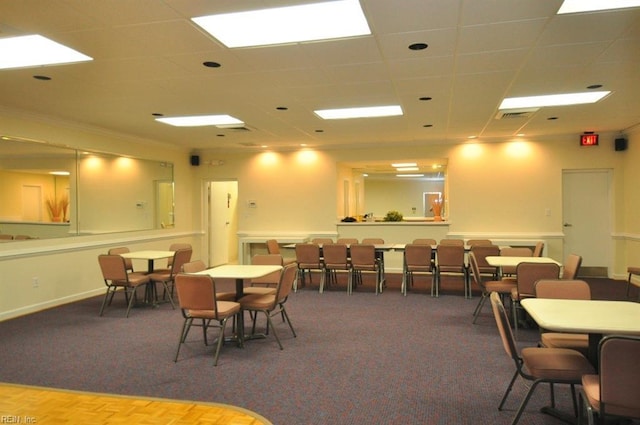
(500, 286)
(134, 280)
(225, 309)
(591, 388)
(160, 276)
(258, 290)
(256, 301)
(578, 342)
(633, 270)
(556, 363)
(225, 296)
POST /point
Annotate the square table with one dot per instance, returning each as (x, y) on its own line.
(240, 272)
(593, 317)
(508, 261)
(149, 255)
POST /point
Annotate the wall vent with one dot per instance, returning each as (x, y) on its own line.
(516, 113)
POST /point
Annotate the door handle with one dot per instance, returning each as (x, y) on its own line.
(567, 225)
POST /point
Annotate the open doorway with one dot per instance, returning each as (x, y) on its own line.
(222, 221)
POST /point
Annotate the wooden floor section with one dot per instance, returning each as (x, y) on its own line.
(21, 404)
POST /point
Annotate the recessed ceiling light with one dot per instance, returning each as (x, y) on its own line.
(201, 120)
(418, 46)
(36, 50)
(42, 77)
(594, 86)
(552, 100)
(211, 64)
(282, 108)
(577, 6)
(428, 125)
(425, 98)
(364, 112)
(404, 164)
(292, 24)
(552, 118)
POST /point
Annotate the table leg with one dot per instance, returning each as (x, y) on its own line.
(592, 353)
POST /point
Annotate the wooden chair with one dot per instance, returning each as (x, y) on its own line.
(537, 364)
(335, 260)
(502, 287)
(115, 275)
(197, 298)
(308, 260)
(167, 278)
(571, 267)
(568, 290)
(527, 274)
(272, 304)
(417, 261)
(450, 261)
(615, 390)
(364, 261)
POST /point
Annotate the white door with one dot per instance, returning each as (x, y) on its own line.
(586, 209)
(222, 222)
(31, 203)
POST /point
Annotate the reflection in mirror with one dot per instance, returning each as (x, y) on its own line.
(49, 191)
(386, 188)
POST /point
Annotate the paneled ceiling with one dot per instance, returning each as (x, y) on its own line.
(148, 58)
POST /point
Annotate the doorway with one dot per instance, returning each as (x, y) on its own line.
(222, 221)
(586, 211)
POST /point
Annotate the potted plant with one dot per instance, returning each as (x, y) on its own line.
(393, 216)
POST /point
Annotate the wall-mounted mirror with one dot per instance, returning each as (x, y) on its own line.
(402, 189)
(50, 191)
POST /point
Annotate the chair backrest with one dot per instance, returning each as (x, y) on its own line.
(571, 266)
(372, 241)
(562, 289)
(273, 247)
(322, 241)
(619, 375)
(285, 285)
(4, 236)
(456, 242)
(506, 334)
(122, 250)
(194, 266)
(450, 255)
(424, 241)
(363, 256)
(514, 252)
(417, 255)
(347, 241)
(267, 260)
(476, 242)
(174, 247)
(537, 249)
(22, 237)
(113, 267)
(527, 274)
(196, 292)
(482, 252)
(308, 255)
(335, 255)
(475, 270)
(180, 257)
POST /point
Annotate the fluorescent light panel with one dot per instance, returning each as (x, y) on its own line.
(399, 169)
(201, 120)
(578, 6)
(404, 164)
(552, 100)
(409, 175)
(36, 50)
(363, 112)
(292, 24)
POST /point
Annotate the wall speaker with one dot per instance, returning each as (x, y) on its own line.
(195, 160)
(620, 144)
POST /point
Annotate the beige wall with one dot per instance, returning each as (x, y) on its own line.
(497, 188)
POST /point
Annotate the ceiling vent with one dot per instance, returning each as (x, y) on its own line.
(516, 113)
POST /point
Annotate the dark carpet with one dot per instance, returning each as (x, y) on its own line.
(360, 359)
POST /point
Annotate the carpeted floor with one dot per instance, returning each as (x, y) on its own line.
(360, 359)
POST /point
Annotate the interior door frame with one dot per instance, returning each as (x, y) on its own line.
(604, 214)
(207, 224)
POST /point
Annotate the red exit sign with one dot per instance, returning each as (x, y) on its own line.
(589, 140)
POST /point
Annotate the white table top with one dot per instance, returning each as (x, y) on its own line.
(507, 261)
(148, 255)
(240, 271)
(585, 316)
